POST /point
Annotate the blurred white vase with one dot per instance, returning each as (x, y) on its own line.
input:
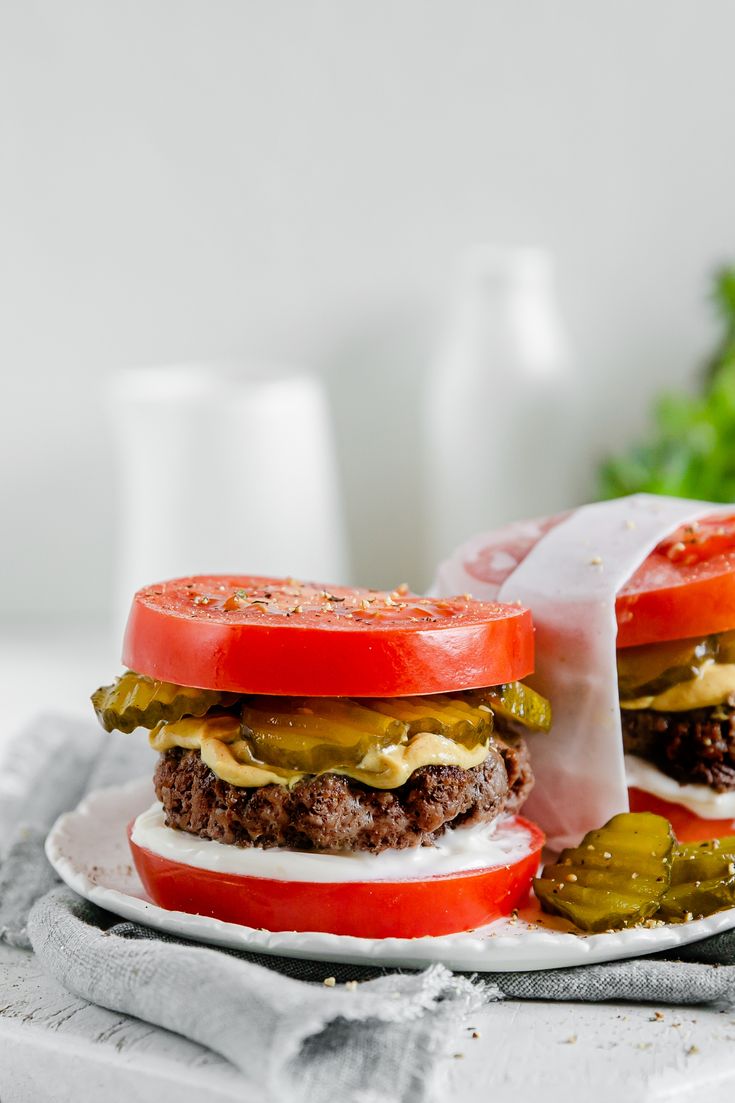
(224, 468)
(501, 403)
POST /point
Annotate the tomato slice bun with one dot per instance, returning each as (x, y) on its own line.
(408, 907)
(277, 636)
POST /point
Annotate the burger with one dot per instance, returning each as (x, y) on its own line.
(634, 605)
(331, 759)
(676, 679)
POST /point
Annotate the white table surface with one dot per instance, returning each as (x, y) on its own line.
(54, 1046)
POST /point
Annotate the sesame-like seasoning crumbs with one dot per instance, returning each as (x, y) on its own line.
(676, 549)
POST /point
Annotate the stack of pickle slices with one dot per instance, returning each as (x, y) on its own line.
(632, 871)
(310, 735)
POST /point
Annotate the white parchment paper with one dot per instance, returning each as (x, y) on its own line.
(568, 571)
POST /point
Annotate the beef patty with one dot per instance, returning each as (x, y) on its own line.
(696, 747)
(331, 812)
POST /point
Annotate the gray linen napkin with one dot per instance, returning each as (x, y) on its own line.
(298, 1040)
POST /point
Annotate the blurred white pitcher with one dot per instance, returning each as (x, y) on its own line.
(224, 468)
(502, 406)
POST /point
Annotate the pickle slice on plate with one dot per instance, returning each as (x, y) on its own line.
(702, 880)
(703, 861)
(135, 701)
(514, 701)
(695, 899)
(615, 878)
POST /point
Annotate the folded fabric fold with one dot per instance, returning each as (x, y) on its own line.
(294, 1039)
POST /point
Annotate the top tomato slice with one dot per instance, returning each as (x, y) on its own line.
(278, 636)
(686, 586)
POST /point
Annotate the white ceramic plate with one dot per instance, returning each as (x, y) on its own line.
(88, 848)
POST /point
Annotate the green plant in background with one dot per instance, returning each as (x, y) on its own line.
(691, 450)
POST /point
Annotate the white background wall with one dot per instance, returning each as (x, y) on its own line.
(187, 180)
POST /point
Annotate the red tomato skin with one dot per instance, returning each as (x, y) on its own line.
(683, 611)
(365, 909)
(467, 645)
(687, 827)
(684, 588)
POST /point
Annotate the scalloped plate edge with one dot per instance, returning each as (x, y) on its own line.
(97, 865)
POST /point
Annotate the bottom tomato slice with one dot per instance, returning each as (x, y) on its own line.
(688, 827)
(368, 909)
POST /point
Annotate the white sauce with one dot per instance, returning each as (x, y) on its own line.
(699, 799)
(459, 850)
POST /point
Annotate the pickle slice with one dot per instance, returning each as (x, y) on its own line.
(615, 878)
(702, 880)
(135, 700)
(652, 668)
(695, 899)
(229, 752)
(703, 861)
(217, 738)
(439, 714)
(726, 647)
(316, 733)
(515, 702)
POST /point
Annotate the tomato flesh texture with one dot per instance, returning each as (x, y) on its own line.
(314, 641)
(365, 909)
(695, 543)
(688, 827)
